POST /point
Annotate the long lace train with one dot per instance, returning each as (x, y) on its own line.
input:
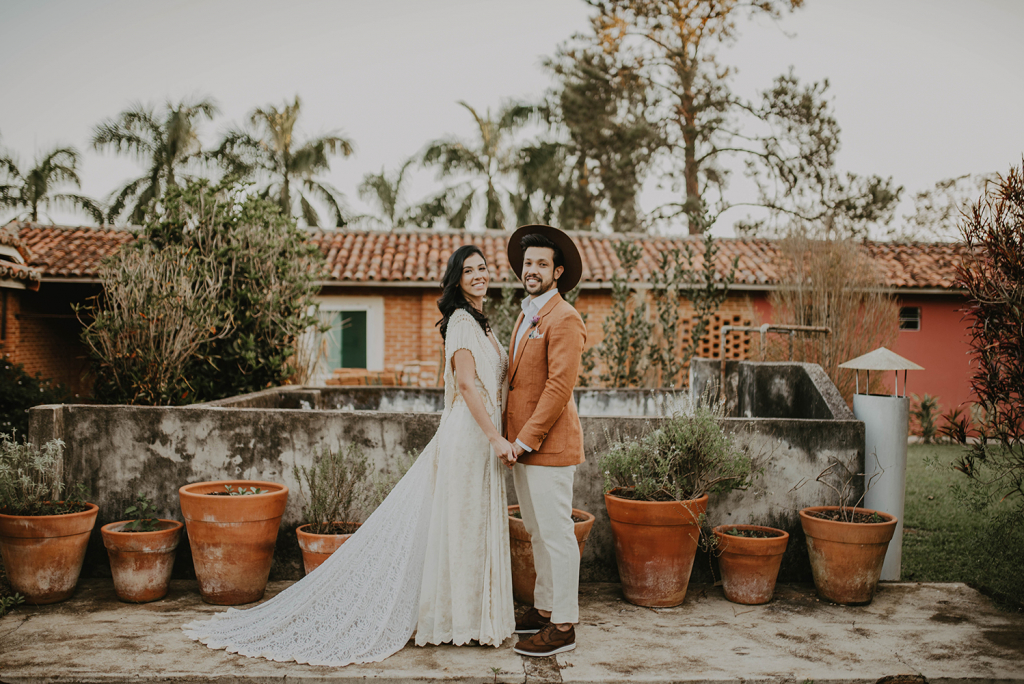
(360, 605)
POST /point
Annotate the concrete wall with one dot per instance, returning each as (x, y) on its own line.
(120, 450)
(589, 402)
(772, 390)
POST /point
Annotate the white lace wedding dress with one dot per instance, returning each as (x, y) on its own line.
(432, 559)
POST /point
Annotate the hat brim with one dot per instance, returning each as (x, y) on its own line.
(573, 262)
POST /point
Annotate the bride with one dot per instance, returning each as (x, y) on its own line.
(434, 557)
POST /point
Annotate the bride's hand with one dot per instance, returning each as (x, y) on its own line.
(503, 450)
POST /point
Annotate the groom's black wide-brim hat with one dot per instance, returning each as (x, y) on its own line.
(573, 263)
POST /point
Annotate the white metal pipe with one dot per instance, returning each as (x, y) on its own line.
(886, 424)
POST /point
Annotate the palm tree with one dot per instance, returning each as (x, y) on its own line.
(166, 142)
(36, 189)
(268, 153)
(387, 193)
(488, 161)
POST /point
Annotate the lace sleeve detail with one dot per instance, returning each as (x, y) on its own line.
(465, 333)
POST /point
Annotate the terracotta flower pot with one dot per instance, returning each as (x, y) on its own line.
(141, 562)
(316, 548)
(846, 558)
(750, 565)
(524, 574)
(43, 554)
(232, 537)
(655, 544)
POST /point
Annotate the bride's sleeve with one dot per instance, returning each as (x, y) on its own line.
(460, 335)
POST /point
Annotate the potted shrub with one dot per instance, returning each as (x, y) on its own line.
(141, 552)
(846, 544)
(337, 484)
(524, 574)
(749, 557)
(43, 530)
(232, 530)
(342, 492)
(656, 493)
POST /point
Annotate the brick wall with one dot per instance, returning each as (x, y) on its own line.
(738, 309)
(410, 336)
(411, 314)
(43, 333)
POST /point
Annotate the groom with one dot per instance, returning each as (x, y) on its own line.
(544, 428)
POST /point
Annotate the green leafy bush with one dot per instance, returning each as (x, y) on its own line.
(687, 456)
(210, 302)
(20, 391)
(31, 482)
(924, 413)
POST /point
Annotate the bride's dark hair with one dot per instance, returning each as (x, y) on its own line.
(452, 299)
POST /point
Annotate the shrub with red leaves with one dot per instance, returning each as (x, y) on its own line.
(992, 274)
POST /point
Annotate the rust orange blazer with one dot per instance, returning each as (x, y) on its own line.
(540, 411)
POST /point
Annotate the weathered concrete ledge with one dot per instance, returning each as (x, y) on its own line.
(935, 633)
(589, 402)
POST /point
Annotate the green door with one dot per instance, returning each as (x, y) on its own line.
(346, 340)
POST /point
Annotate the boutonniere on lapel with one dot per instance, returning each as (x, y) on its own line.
(534, 333)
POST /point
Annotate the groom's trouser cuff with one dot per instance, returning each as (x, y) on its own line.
(545, 501)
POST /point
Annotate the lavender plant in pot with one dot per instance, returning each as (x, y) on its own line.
(340, 490)
(44, 523)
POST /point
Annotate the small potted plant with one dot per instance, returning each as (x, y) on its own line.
(846, 544)
(749, 558)
(232, 531)
(44, 531)
(337, 484)
(342, 492)
(524, 573)
(141, 552)
(656, 493)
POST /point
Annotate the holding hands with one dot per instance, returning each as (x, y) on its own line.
(504, 450)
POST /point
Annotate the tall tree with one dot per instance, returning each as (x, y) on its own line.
(482, 169)
(603, 144)
(285, 169)
(794, 166)
(673, 46)
(940, 210)
(32, 191)
(165, 141)
(670, 51)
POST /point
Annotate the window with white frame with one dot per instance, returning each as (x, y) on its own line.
(355, 335)
(910, 318)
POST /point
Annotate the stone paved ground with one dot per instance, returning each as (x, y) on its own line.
(941, 632)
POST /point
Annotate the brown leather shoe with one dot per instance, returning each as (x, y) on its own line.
(531, 622)
(547, 642)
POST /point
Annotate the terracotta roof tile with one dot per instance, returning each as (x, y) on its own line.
(26, 275)
(419, 257)
(71, 251)
(12, 269)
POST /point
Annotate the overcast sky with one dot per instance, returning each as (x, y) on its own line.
(923, 89)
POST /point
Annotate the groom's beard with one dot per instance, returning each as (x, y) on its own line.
(538, 287)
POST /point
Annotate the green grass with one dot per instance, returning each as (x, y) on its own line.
(945, 541)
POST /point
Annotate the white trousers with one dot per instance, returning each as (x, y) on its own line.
(545, 501)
